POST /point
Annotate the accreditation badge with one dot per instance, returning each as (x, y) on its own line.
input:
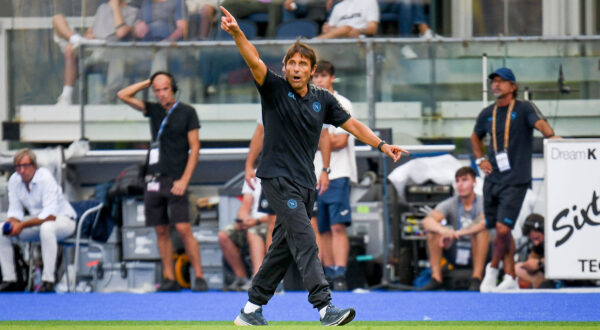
(502, 161)
(153, 155)
(153, 186)
(463, 253)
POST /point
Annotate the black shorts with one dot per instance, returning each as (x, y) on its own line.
(502, 203)
(164, 208)
(263, 205)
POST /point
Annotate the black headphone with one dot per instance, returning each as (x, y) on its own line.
(533, 222)
(174, 87)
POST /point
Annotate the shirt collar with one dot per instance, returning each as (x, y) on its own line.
(35, 179)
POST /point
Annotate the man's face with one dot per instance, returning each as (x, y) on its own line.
(298, 71)
(324, 80)
(501, 87)
(25, 169)
(161, 86)
(464, 185)
(536, 237)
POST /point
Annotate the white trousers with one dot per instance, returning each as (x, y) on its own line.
(49, 233)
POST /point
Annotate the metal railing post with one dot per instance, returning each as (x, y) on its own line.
(370, 59)
(82, 89)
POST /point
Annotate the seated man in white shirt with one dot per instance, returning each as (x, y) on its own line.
(351, 18)
(50, 219)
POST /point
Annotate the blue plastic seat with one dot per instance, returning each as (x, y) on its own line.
(248, 27)
(297, 28)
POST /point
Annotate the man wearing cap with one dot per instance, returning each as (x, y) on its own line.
(531, 271)
(507, 167)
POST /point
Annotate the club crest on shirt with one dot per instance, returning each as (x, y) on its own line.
(316, 106)
(264, 203)
(292, 204)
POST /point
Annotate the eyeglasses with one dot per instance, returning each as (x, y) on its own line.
(23, 166)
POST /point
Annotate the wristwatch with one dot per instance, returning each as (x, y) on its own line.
(327, 170)
(540, 265)
(479, 160)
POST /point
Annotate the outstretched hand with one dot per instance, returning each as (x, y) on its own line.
(395, 152)
(228, 22)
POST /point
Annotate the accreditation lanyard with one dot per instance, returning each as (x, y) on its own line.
(155, 146)
(502, 157)
(164, 122)
(463, 246)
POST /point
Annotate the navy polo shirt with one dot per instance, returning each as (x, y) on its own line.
(293, 127)
(520, 144)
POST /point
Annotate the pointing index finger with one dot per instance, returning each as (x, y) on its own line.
(227, 13)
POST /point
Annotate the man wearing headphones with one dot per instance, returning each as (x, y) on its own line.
(531, 271)
(172, 158)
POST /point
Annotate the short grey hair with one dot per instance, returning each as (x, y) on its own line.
(25, 152)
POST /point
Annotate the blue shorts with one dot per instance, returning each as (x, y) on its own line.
(334, 205)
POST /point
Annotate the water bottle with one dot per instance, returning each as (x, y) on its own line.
(37, 279)
(7, 228)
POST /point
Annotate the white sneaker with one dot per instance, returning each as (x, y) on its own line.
(408, 52)
(488, 284)
(64, 100)
(211, 89)
(508, 284)
(427, 34)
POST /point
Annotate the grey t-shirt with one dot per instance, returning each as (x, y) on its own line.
(103, 26)
(452, 209)
(161, 17)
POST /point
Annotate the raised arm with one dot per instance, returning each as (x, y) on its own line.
(127, 95)
(247, 50)
(366, 135)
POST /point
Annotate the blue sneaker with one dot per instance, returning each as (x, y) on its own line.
(337, 317)
(245, 319)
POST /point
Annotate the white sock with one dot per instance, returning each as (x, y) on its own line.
(76, 38)
(322, 311)
(250, 307)
(67, 91)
